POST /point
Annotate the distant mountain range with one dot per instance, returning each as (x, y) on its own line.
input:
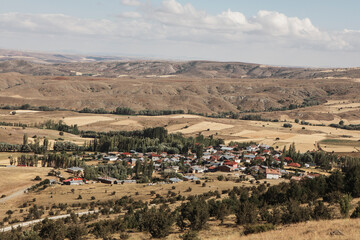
(76, 82)
(51, 58)
(44, 64)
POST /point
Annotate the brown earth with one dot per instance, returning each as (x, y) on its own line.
(201, 95)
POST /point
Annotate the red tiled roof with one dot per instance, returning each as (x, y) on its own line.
(295, 178)
(272, 171)
(229, 163)
(294, 165)
(314, 174)
(73, 179)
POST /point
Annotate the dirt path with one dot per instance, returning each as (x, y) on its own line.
(13, 195)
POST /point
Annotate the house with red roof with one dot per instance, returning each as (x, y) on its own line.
(74, 181)
(266, 151)
(225, 168)
(126, 154)
(295, 178)
(259, 158)
(294, 165)
(232, 164)
(272, 173)
(313, 175)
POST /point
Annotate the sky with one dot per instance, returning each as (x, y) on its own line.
(312, 33)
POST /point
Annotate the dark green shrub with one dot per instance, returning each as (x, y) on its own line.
(251, 229)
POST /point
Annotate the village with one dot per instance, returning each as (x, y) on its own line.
(251, 163)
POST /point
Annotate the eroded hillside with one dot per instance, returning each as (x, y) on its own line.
(201, 95)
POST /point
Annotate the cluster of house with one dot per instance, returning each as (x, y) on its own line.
(220, 159)
(250, 160)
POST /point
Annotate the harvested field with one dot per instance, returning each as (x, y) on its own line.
(340, 145)
(81, 121)
(185, 116)
(273, 133)
(16, 178)
(131, 123)
(14, 135)
(204, 126)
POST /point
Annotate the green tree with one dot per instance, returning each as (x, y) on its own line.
(25, 139)
(345, 205)
(246, 213)
(54, 230)
(76, 232)
(196, 211)
(158, 222)
(352, 181)
(321, 211)
(199, 150)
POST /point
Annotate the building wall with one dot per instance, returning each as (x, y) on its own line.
(272, 176)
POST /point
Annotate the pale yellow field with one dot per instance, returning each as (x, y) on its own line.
(185, 116)
(321, 230)
(190, 125)
(132, 123)
(81, 121)
(16, 178)
(205, 125)
(25, 111)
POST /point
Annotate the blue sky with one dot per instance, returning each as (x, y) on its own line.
(328, 14)
(278, 32)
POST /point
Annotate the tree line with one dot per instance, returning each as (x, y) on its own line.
(35, 147)
(142, 171)
(149, 140)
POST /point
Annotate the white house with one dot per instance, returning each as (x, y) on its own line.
(272, 173)
(252, 148)
(198, 169)
(225, 149)
(110, 158)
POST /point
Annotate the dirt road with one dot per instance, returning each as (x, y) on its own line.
(13, 195)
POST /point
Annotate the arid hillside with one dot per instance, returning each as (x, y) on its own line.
(201, 95)
(90, 66)
(51, 58)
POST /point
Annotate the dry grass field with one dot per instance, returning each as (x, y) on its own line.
(314, 230)
(15, 179)
(271, 133)
(63, 194)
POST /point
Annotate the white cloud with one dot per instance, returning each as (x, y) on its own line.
(172, 23)
(53, 24)
(133, 3)
(130, 15)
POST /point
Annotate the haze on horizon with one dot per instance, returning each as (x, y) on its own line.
(306, 33)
